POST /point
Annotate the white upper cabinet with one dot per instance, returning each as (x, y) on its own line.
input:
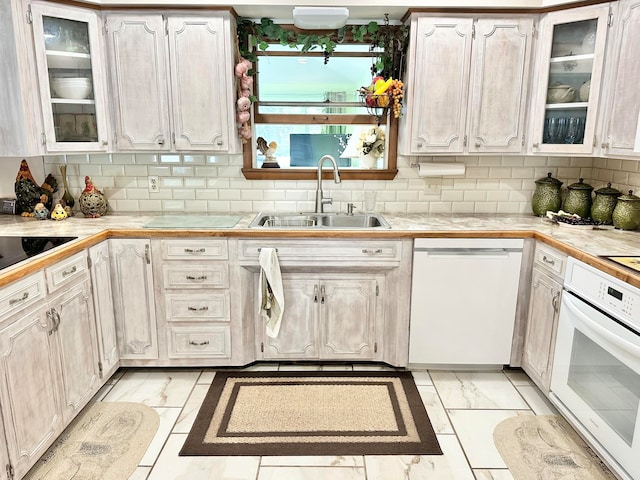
(20, 119)
(68, 52)
(437, 85)
(499, 83)
(623, 94)
(138, 69)
(568, 80)
(172, 82)
(466, 85)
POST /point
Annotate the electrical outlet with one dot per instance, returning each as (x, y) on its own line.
(432, 186)
(154, 183)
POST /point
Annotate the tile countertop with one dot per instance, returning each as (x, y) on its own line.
(585, 245)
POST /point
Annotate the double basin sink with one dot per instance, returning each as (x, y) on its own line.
(319, 220)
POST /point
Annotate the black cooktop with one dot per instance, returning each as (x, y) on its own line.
(16, 249)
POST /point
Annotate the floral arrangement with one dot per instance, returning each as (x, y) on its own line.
(371, 142)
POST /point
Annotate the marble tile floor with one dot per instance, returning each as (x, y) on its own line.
(464, 407)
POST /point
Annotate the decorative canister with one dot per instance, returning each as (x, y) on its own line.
(626, 215)
(546, 196)
(578, 199)
(604, 203)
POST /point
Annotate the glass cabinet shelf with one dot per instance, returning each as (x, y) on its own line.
(68, 101)
(566, 106)
(73, 60)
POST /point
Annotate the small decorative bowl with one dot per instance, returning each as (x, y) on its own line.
(561, 94)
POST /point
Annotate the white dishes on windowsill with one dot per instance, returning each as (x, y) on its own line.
(72, 88)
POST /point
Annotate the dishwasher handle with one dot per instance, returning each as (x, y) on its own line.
(467, 252)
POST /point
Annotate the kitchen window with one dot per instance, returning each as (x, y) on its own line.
(309, 105)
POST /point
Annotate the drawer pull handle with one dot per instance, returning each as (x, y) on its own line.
(191, 250)
(201, 277)
(260, 249)
(70, 271)
(13, 301)
(196, 309)
(547, 261)
(369, 251)
(199, 344)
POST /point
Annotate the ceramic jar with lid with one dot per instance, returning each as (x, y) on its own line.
(604, 203)
(626, 215)
(578, 200)
(546, 196)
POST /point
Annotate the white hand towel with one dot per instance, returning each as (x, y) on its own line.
(270, 291)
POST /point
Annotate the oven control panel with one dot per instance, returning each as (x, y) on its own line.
(604, 291)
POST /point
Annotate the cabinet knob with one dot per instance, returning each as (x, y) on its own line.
(478, 145)
(536, 145)
(161, 141)
(419, 145)
(219, 142)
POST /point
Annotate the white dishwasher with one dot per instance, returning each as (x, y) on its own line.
(463, 300)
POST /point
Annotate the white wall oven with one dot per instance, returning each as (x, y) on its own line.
(596, 370)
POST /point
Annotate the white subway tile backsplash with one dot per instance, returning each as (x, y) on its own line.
(146, 158)
(195, 182)
(169, 159)
(184, 194)
(182, 171)
(214, 183)
(137, 170)
(113, 170)
(160, 170)
(120, 158)
(170, 182)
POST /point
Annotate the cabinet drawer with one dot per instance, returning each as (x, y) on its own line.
(195, 249)
(21, 294)
(214, 275)
(550, 259)
(66, 271)
(323, 252)
(198, 307)
(199, 342)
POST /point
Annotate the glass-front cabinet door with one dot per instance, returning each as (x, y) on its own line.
(71, 78)
(568, 75)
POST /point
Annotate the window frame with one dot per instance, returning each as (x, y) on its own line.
(252, 173)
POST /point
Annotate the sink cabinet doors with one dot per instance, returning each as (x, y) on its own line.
(570, 54)
(623, 112)
(172, 82)
(68, 50)
(467, 85)
(329, 317)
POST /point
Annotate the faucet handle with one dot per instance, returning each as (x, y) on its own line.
(350, 207)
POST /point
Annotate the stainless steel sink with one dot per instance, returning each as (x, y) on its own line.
(319, 220)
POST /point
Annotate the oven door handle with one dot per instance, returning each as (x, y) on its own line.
(598, 329)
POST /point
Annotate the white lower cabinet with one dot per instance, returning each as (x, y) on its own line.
(100, 270)
(542, 322)
(76, 343)
(133, 298)
(327, 317)
(48, 361)
(195, 303)
(345, 299)
(29, 387)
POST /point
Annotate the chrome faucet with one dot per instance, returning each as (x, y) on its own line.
(320, 198)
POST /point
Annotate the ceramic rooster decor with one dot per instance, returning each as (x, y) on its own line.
(29, 193)
(93, 203)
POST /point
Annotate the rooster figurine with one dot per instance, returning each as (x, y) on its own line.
(269, 152)
(28, 193)
(93, 203)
